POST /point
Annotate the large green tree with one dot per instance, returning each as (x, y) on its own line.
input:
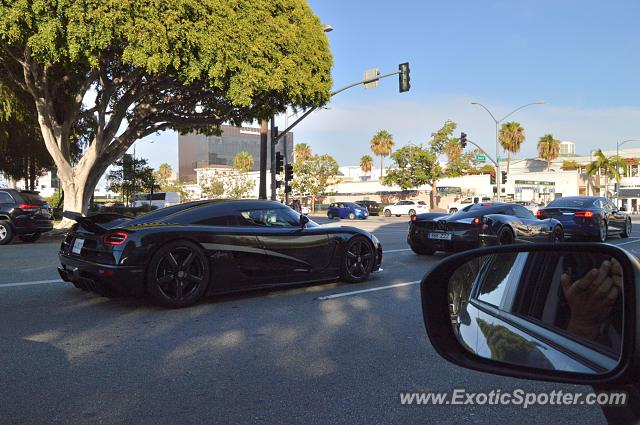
(143, 66)
(548, 148)
(130, 176)
(381, 145)
(608, 167)
(511, 137)
(314, 176)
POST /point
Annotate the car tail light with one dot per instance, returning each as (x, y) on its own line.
(115, 238)
(585, 214)
(477, 220)
(539, 214)
(28, 207)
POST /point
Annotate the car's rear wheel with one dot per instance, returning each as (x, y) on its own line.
(453, 210)
(358, 260)
(6, 232)
(178, 275)
(387, 213)
(626, 232)
(412, 212)
(603, 231)
(558, 234)
(29, 238)
(330, 216)
(423, 250)
(505, 236)
(351, 216)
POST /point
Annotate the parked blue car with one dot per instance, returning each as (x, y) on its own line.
(348, 210)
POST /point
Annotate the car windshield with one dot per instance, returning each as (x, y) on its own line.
(32, 198)
(571, 203)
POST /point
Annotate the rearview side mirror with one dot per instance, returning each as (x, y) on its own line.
(303, 221)
(563, 312)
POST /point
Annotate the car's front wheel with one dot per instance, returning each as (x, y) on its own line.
(6, 232)
(626, 232)
(412, 212)
(29, 238)
(557, 235)
(330, 216)
(178, 275)
(505, 236)
(358, 260)
(387, 213)
(351, 216)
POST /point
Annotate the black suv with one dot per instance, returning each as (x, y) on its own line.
(23, 213)
(372, 206)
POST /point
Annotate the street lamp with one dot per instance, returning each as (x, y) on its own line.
(617, 162)
(497, 122)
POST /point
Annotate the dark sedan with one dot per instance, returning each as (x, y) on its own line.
(588, 217)
(180, 253)
(479, 225)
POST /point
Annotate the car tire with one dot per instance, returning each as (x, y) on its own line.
(6, 232)
(398, 215)
(174, 268)
(603, 232)
(626, 232)
(412, 212)
(358, 260)
(558, 234)
(330, 216)
(505, 236)
(387, 213)
(453, 210)
(351, 216)
(29, 238)
(422, 250)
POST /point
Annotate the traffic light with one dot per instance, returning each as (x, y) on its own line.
(405, 84)
(493, 177)
(288, 173)
(504, 177)
(463, 140)
(279, 162)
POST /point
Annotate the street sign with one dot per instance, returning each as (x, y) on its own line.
(370, 74)
(481, 158)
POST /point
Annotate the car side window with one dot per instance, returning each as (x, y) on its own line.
(5, 198)
(497, 277)
(273, 217)
(522, 212)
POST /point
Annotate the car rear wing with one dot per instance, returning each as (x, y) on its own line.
(93, 223)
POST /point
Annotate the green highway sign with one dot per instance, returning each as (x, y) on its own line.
(480, 158)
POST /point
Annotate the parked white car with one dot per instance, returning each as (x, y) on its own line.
(305, 210)
(465, 202)
(406, 208)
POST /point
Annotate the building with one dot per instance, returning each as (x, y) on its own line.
(567, 149)
(202, 151)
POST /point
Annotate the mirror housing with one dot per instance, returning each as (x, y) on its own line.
(303, 221)
(436, 310)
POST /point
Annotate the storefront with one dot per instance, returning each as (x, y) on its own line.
(537, 191)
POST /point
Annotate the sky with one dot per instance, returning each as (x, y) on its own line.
(580, 57)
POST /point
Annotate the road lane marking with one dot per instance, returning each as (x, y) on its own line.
(37, 282)
(626, 243)
(396, 250)
(379, 288)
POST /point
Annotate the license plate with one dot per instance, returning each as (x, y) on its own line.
(77, 246)
(440, 236)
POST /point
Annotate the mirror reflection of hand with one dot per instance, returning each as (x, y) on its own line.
(591, 298)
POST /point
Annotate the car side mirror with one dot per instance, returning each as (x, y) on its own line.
(556, 312)
(303, 221)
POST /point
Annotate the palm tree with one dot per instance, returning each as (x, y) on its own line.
(609, 167)
(381, 144)
(511, 136)
(302, 152)
(243, 162)
(548, 149)
(366, 163)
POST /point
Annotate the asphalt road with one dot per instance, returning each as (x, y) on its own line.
(281, 356)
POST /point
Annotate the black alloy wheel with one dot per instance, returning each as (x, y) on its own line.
(358, 260)
(603, 231)
(626, 232)
(557, 235)
(178, 275)
(505, 236)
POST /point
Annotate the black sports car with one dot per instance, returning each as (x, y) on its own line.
(180, 253)
(479, 225)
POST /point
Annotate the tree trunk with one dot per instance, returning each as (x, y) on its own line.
(432, 196)
(381, 167)
(508, 160)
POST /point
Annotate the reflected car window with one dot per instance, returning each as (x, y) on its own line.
(501, 270)
(279, 217)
